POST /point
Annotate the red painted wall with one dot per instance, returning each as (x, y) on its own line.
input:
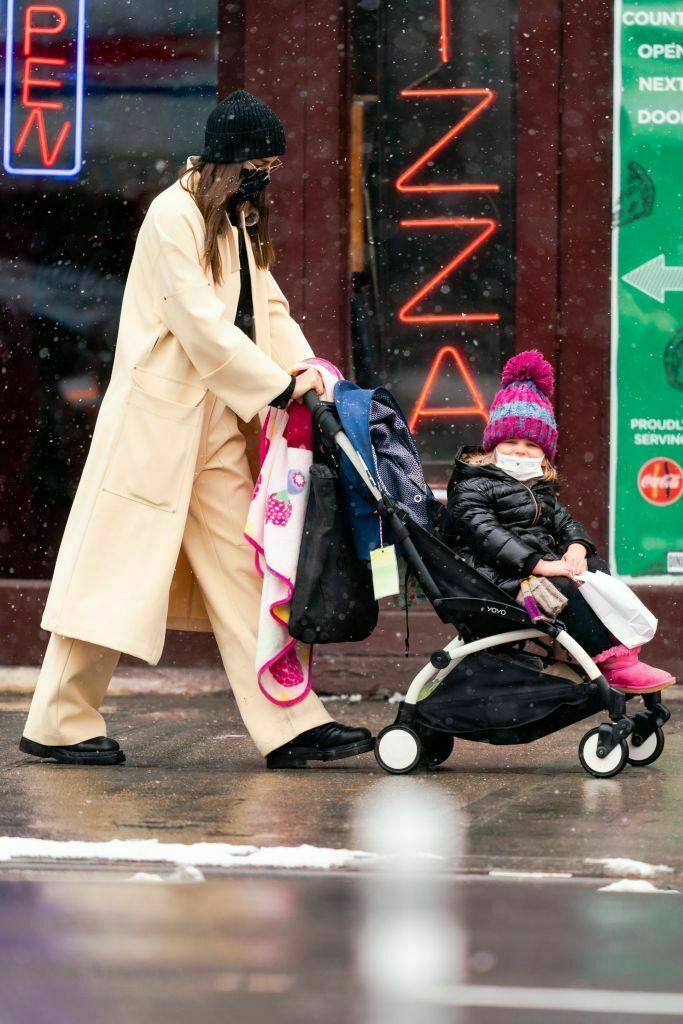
(296, 62)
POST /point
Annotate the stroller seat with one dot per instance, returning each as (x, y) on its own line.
(466, 598)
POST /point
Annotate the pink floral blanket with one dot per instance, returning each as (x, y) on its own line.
(274, 528)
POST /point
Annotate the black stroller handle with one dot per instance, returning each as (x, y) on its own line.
(311, 400)
(324, 418)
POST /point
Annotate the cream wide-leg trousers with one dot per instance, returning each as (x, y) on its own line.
(75, 675)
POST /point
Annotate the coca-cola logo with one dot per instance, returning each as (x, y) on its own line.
(660, 481)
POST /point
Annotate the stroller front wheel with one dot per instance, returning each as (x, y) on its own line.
(648, 751)
(398, 749)
(602, 767)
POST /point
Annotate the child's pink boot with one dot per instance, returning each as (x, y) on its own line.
(622, 670)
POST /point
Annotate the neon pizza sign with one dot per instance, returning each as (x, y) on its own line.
(44, 61)
(446, 199)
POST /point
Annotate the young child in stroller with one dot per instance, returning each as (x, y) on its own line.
(503, 517)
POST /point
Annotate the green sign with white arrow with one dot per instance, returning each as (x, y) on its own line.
(646, 487)
(656, 279)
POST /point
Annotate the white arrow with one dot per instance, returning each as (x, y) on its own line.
(655, 278)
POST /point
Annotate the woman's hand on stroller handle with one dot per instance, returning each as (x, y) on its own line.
(308, 382)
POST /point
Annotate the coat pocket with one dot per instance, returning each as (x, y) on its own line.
(156, 439)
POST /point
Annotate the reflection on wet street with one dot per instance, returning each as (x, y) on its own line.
(282, 948)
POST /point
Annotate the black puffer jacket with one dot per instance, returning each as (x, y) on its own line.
(502, 526)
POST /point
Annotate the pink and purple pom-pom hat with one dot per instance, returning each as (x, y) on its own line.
(523, 407)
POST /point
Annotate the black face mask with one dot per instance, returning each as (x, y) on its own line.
(252, 183)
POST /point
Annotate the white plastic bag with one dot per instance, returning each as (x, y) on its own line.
(618, 608)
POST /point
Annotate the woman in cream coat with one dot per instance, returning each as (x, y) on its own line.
(154, 538)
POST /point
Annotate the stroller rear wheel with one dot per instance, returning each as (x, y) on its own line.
(398, 749)
(437, 747)
(602, 767)
(648, 751)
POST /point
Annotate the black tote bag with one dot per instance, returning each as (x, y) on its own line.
(333, 600)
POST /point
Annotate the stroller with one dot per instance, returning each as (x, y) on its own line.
(483, 686)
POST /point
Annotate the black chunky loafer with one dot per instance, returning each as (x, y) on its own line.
(328, 742)
(99, 750)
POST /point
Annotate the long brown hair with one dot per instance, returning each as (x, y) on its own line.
(211, 186)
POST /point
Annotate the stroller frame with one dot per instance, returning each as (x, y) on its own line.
(403, 746)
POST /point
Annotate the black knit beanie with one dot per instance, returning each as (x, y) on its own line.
(242, 128)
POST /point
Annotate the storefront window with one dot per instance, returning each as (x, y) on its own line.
(132, 84)
(432, 211)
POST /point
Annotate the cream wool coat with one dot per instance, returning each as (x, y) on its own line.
(120, 559)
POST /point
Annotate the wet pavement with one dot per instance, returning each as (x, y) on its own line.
(192, 775)
(91, 944)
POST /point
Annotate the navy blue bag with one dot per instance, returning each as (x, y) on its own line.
(374, 423)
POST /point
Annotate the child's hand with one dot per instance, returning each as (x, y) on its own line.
(559, 567)
(575, 556)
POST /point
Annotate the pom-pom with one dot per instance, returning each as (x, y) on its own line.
(530, 366)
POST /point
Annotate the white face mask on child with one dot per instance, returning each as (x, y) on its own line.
(521, 469)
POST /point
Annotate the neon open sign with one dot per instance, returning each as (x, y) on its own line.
(43, 125)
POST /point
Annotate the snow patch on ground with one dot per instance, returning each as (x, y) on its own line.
(352, 698)
(395, 698)
(219, 855)
(511, 873)
(633, 868)
(633, 885)
(184, 873)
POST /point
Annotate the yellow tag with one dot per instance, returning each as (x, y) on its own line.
(384, 569)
